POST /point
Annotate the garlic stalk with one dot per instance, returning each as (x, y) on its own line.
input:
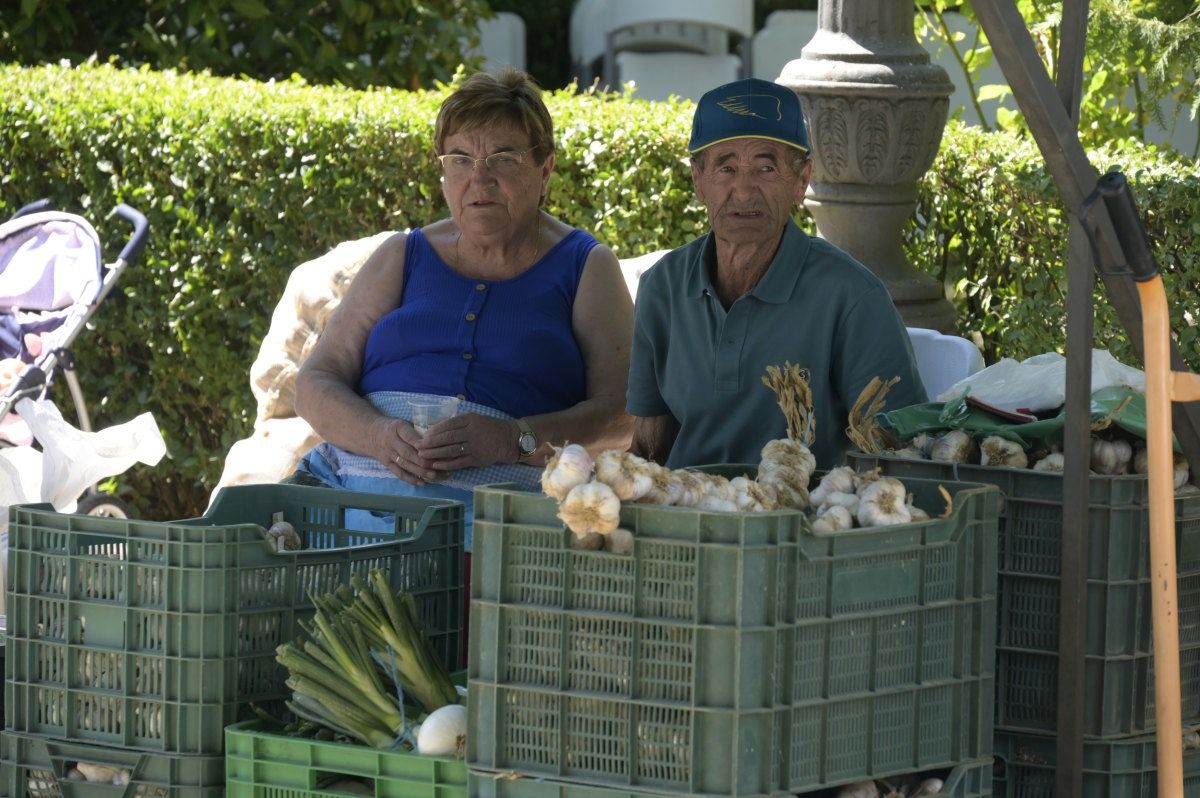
(570, 466)
(590, 507)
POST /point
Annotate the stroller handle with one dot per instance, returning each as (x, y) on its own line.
(141, 227)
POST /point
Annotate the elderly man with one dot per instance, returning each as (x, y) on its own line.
(754, 292)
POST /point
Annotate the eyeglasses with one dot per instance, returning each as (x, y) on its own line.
(505, 163)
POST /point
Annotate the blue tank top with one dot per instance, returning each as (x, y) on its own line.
(507, 344)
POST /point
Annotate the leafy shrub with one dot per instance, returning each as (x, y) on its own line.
(991, 225)
(242, 181)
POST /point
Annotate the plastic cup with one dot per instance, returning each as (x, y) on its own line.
(427, 412)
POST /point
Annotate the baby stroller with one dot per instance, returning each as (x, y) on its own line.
(52, 279)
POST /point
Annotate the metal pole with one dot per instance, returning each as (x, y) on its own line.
(1081, 281)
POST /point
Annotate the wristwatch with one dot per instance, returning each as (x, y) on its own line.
(527, 442)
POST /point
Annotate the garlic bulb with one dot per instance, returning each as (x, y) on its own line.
(749, 496)
(955, 446)
(1001, 452)
(792, 453)
(714, 503)
(103, 774)
(787, 496)
(1111, 457)
(860, 789)
(916, 512)
(1182, 471)
(1051, 462)
(570, 466)
(883, 502)
(631, 477)
(589, 542)
(909, 453)
(666, 486)
(836, 480)
(693, 487)
(835, 518)
(619, 541)
(444, 732)
(590, 507)
(839, 499)
(1141, 465)
(928, 788)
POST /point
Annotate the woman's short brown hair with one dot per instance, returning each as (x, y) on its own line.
(510, 96)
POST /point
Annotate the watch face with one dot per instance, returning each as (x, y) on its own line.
(527, 442)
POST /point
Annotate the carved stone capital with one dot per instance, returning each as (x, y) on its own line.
(873, 140)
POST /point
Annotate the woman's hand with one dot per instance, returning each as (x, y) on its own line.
(468, 440)
(394, 443)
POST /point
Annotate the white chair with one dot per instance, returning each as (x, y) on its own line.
(659, 75)
(943, 360)
(600, 29)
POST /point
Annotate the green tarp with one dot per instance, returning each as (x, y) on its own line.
(1122, 406)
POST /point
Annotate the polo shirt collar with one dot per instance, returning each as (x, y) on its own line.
(776, 285)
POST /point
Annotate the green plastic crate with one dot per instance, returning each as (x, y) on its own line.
(1123, 767)
(1118, 681)
(37, 767)
(972, 780)
(155, 636)
(732, 654)
(260, 763)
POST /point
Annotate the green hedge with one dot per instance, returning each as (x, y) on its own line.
(991, 225)
(242, 181)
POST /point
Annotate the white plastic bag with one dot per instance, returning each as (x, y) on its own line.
(1039, 382)
(73, 459)
(69, 462)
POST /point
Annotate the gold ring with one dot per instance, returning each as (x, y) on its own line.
(396, 459)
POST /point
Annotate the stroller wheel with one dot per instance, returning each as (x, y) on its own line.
(104, 505)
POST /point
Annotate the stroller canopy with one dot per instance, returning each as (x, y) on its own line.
(49, 261)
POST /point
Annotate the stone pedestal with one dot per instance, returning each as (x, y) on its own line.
(876, 108)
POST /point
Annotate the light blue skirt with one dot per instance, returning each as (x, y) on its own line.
(348, 471)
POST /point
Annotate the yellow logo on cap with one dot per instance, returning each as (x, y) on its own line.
(740, 105)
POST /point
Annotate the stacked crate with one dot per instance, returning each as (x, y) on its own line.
(133, 644)
(1119, 676)
(733, 654)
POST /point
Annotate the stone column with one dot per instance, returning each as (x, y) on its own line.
(876, 108)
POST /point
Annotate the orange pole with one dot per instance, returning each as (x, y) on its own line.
(1163, 591)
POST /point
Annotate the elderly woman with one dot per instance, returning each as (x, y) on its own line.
(526, 320)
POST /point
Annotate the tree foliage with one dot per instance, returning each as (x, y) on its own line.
(1142, 62)
(358, 43)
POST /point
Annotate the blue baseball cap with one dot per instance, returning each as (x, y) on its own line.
(749, 108)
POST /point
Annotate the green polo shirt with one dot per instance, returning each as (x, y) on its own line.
(815, 307)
